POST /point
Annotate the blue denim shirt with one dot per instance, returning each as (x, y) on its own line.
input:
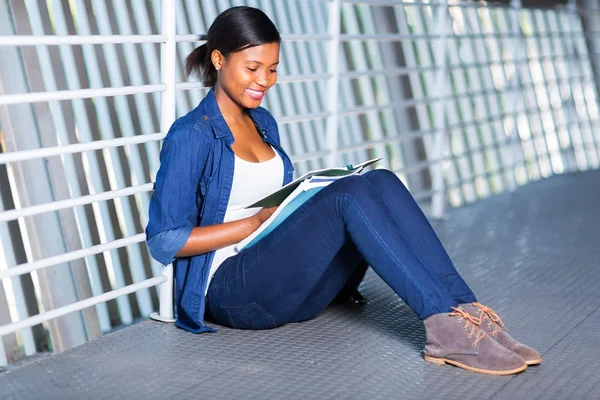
(192, 188)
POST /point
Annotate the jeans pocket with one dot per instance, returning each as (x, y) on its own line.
(248, 316)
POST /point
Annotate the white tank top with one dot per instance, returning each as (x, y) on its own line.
(251, 182)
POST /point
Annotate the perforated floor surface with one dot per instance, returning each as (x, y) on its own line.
(533, 255)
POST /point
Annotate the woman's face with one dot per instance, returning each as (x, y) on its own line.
(245, 76)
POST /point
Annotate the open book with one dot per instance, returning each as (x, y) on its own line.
(290, 197)
(276, 198)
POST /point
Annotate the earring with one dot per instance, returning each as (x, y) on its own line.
(217, 67)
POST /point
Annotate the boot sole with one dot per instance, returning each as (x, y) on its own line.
(442, 361)
(534, 362)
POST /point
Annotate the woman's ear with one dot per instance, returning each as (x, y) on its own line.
(217, 59)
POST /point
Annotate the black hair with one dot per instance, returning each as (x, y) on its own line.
(235, 29)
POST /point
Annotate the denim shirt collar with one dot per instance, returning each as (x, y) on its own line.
(217, 121)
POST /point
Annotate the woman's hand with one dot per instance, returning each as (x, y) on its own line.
(264, 214)
(208, 238)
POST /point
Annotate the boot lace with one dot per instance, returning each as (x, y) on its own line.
(494, 320)
(471, 323)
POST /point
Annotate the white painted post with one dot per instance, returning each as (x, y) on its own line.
(168, 60)
(439, 197)
(333, 87)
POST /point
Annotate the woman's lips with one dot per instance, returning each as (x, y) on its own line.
(255, 94)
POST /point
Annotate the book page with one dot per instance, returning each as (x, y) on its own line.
(277, 197)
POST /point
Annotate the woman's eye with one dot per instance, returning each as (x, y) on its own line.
(274, 71)
(252, 69)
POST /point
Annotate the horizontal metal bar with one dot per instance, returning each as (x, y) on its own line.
(284, 79)
(74, 255)
(199, 37)
(52, 40)
(396, 37)
(57, 40)
(387, 37)
(303, 78)
(424, 194)
(408, 70)
(389, 140)
(486, 174)
(78, 147)
(387, 3)
(38, 97)
(310, 156)
(290, 119)
(77, 201)
(80, 305)
(291, 38)
(454, 96)
(418, 166)
(586, 10)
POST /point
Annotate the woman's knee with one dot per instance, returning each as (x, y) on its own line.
(352, 185)
(384, 178)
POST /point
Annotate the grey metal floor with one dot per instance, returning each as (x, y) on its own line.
(532, 255)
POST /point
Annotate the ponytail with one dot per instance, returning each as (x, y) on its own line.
(199, 64)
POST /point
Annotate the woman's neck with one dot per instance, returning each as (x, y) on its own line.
(231, 111)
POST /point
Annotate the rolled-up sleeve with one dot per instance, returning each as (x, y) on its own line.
(173, 208)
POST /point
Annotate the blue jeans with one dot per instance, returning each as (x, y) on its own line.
(296, 271)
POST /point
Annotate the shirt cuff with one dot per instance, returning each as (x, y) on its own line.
(165, 245)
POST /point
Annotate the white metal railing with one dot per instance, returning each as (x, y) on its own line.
(80, 305)
(78, 148)
(342, 113)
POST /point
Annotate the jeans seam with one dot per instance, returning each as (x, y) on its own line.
(416, 255)
(388, 250)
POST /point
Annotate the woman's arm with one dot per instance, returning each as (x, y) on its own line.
(204, 239)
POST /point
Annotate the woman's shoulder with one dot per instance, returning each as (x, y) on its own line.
(190, 127)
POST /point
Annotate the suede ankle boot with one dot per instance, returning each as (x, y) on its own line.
(455, 338)
(491, 323)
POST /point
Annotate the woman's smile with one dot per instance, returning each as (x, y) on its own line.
(256, 94)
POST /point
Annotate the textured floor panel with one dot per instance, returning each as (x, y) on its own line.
(532, 255)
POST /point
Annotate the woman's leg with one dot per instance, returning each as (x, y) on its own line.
(271, 280)
(418, 233)
(347, 261)
(266, 285)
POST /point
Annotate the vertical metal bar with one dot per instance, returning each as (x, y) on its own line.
(476, 23)
(439, 198)
(9, 348)
(368, 91)
(394, 89)
(417, 54)
(333, 88)
(576, 63)
(515, 93)
(471, 138)
(168, 67)
(568, 149)
(547, 137)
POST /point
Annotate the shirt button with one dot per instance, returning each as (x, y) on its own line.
(205, 118)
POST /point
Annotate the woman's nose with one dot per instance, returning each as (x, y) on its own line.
(262, 80)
